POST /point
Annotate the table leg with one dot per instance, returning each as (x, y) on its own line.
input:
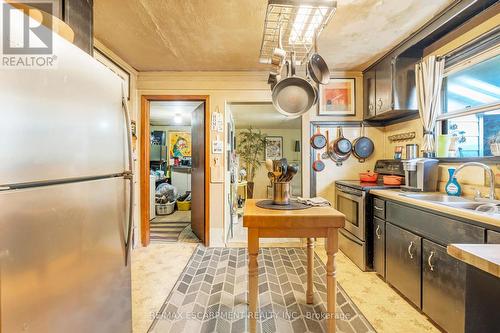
(253, 278)
(332, 246)
(310, 270)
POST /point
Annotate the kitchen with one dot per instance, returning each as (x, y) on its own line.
(395, 275)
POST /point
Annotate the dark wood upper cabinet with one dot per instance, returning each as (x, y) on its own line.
(78, 14)
(369, 89)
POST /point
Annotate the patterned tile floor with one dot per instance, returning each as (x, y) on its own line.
(155, 270)
(210, 295)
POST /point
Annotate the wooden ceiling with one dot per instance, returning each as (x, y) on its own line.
(215, 35)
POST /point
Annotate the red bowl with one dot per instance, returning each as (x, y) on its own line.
(368, 177)
(393, 180)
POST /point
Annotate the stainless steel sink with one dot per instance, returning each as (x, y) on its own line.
(446, 200)
(464, 205)
(438, 198)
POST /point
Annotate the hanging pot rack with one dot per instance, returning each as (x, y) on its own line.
(282, 14)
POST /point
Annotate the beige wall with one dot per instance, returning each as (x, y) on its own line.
(409, 126)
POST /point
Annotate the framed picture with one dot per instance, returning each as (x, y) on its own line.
(338, 98)
(274, 147)
(179, 144)
(115, 68)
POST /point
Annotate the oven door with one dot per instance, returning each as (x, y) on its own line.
(352, 205)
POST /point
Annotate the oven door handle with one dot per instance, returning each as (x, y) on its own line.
(352, 197)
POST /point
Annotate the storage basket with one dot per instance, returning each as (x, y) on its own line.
(184, 205)
(165, 209)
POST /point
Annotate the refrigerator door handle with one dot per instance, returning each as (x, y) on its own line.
(129, 175)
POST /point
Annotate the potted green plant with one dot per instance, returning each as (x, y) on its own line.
(494, 142)
(251, 146)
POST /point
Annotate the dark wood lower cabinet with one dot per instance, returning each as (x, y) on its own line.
(443, 287)
(404, 262)
(492, 237)
(379, 246)
(457, 297)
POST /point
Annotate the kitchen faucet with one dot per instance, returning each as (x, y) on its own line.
(487, 169)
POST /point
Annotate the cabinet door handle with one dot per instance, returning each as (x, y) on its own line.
(380, 103)
(378, 208)
(429, 260)
(409, 249)
(377, 232)
(370, 107)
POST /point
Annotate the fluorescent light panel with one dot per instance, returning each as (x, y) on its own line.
(299, 24)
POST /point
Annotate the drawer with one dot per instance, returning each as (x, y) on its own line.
(379, 208)
(440, 229)
(492, 237)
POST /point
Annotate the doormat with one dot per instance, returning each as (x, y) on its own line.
(211, 295)
(162, 230)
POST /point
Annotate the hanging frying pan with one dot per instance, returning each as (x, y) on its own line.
(341, 145)
(318, 69)
(293, 95)
(318, 165)
(308, 77)
(318, 140)
(362, 147)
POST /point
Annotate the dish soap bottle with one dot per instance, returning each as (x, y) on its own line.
(453, 187)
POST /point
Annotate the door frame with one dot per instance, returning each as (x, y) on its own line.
(144, 159)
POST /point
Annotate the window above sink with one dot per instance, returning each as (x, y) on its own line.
(469, 124)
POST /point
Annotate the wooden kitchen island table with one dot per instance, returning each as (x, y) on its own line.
(321, 222)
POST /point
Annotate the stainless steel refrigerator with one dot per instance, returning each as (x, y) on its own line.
(65, 198)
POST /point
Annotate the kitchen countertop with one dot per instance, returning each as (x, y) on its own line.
(483, 256)
(491, 219)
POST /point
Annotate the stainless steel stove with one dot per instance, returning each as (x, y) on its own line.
(353, 200)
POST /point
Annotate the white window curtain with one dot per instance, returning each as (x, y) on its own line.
(429, 79)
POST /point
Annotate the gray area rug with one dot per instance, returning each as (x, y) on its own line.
(211, 294)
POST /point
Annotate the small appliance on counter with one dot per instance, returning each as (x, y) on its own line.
(411, 151)
(421, 175)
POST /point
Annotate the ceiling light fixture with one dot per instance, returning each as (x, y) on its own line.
(300, 21)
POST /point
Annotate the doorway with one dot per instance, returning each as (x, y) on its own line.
(174, 169)
(253, 125)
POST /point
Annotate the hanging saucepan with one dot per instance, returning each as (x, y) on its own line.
(277, 59)
(337, 158)
(362, 147)
(318, 140)
(272, 79)
(293, 95)
(318, 165)
(279, 53)
(341, 145)
(318, 69)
